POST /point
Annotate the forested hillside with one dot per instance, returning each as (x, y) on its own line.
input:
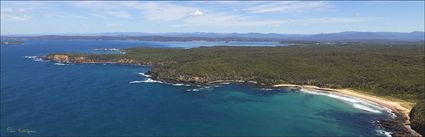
(388, 70)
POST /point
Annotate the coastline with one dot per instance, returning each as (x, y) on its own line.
(400, 108)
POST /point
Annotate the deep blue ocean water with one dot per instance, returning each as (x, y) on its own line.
(44, 99)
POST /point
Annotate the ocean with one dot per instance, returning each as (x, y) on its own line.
(40, 98)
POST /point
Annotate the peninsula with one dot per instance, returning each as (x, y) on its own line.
(392, 72)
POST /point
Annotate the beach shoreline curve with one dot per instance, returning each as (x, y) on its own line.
(396, 107)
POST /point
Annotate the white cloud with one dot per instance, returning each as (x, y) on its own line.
(191, 15)
(14, 14)
(197, 13)
(113, 25)
(222, 20)
(65, 15)
(119, 14)
(154, 11)
(11, 17)
(228, 20)
(164, 12)
(104, 9)
(288, 7)
(96, 5)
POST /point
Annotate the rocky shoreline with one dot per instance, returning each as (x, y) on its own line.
(397, 126)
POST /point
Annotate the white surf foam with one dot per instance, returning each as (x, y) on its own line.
(30, 57)
(39, 60)
(149, 80)
(136, 81)
(366, 108)
(381, 132)
(194, 90)
(216, 86)
(145, 75)
(201, 88)
(60, 64)
(356, 102)
(178, 84)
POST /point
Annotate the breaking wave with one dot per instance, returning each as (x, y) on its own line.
(145, 75)
(149, 80)
(356, 102)
(381, 132)
(136, 81)
(30, 57)
(179, 84)
(366, 108)
(199, 89)
(60, 64)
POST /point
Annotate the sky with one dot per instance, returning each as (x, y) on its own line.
(285, 17)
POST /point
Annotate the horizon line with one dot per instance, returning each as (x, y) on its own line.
(99, 33)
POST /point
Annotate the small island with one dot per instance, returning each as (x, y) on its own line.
(393, 73)
(11, 42)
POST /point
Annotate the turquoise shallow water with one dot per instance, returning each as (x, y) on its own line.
(97, 99)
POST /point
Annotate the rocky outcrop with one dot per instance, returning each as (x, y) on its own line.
(417, 117)
(59, 58)
(396, 128)
(127, 61)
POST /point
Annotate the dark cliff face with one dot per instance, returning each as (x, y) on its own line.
(417, 117)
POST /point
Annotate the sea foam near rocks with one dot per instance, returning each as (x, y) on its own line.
(148, 80)
(36, 58)
(145, 75)
(30, 57)
(60, 64)
(381, 132)
(136, 81)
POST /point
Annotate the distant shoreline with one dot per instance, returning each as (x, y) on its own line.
(400, 108)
